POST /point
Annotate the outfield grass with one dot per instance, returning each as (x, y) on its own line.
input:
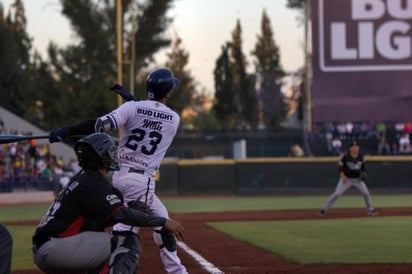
(307, 241)
(219, 204)
(343, 241)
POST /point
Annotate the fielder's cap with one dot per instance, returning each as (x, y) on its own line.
(353, 143)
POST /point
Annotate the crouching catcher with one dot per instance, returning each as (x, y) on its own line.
(71, 236)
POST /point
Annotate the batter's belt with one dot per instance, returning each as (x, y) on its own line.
(135, 170)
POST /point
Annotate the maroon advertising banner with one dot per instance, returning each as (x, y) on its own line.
(362, 60)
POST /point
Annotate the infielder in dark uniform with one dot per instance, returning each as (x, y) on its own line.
(71, 236)
(352, 173)
(6, 248)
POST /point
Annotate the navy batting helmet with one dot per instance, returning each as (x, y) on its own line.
(97, 150)
(160, 82)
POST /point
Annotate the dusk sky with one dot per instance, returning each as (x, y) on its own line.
(204, 26)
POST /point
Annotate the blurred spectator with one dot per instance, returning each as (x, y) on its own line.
(391, 135)
(336, 146)
(399, 129)
(341, 127)
(3, 177)
(383, 146)
(404, 144)
(74, 165)
(394, 149)
(33, 156)
(364, 128)
(349, 129)
(407, 128)
(356, 133)
(329, 130)
(381, 128)
(60, 161)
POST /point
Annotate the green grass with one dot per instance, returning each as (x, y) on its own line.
(361, 239)
(22, 212)
(22, 256)
(220, 204)
(344, 241)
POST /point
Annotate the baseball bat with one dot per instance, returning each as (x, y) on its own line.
(5, 139)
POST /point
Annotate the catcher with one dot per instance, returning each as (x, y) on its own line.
(71, 236)
(352, 174)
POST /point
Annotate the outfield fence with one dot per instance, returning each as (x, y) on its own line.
(261, 176)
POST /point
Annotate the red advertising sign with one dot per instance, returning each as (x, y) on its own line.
(361, 60)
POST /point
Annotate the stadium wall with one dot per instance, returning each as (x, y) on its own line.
(277, 175)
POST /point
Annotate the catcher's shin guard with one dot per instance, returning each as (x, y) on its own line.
(168, 239)
(125, 253)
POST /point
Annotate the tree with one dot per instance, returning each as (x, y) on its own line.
(225, 105)
(151, 22)
(15, 45)
(86, 68)
(177, 62)
(244, 92)
(272, 108)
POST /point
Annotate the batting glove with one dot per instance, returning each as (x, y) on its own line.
(124, 93)
(58, 134)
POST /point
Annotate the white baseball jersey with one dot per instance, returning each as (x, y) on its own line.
(147, 130)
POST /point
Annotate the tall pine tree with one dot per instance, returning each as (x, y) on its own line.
(225, 105)
(244, 90)
(269, 73)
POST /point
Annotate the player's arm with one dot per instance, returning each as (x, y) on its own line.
(101, 124)
(135, 217)
(341, 170)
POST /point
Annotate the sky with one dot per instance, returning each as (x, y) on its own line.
(203, 26)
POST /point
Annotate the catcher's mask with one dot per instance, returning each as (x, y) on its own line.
(97, 150)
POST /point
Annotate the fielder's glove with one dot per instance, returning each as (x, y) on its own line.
(138, 205)
(58, 134)
(124, 93)
(364, 176)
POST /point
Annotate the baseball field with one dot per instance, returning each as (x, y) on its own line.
(270, 234)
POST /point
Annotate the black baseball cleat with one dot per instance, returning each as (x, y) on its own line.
(372, 212)
(322, 212)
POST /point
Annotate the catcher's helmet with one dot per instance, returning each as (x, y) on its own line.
(97, 150)
(160, 82)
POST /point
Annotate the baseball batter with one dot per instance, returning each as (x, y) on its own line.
(147, 129)
(352, 174)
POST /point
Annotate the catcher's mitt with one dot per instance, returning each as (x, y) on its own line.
(364, 176)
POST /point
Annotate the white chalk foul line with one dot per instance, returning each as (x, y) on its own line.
(208, 266)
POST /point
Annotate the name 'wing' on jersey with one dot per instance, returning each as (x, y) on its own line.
(147, 131)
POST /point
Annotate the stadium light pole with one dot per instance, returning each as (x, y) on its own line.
(119, 32)
(133, 53)
(308, 65)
